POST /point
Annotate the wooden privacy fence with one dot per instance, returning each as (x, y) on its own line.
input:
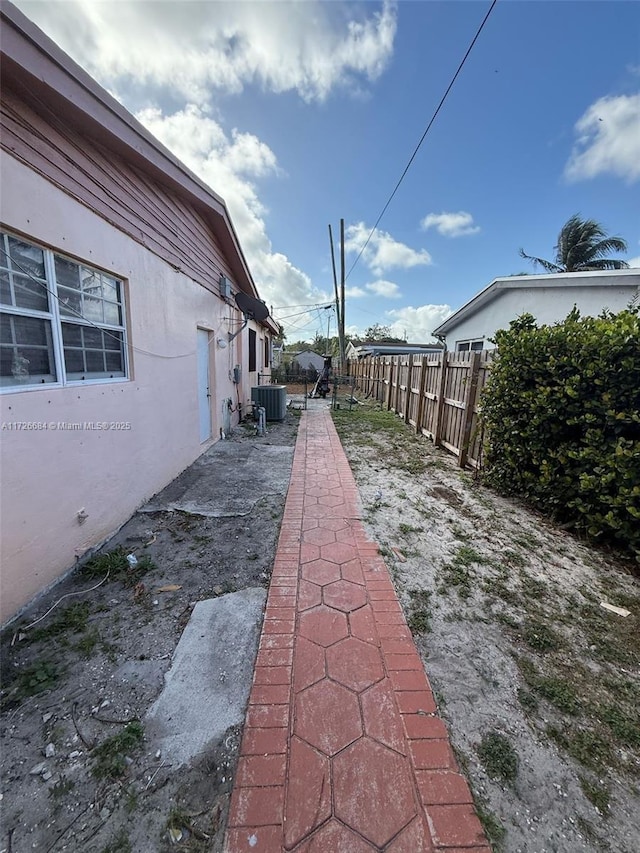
(438, 395)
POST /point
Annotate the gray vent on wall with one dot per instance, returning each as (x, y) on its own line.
(225, 287)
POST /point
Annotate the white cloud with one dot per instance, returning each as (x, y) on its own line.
(197, 48)
(355, 292)
(383, 252)
(387, 289)
(418, 323)
(458, 224)
(634, 262)
(228, 163)
(608, 140)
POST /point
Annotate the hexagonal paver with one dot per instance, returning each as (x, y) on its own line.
(336, 838)
(331, 500)
(309, 664)
(363, 625)
(355, 664)
(323, 625)
(308, 802)
(346, 536)
(352, 571)
(316, 491)
(338, 552)
(415, 837)
(344, 596)
(327, 716)
(309, 595)
(310, 523)
(381, 717)
(309, 552)
(319, 536)
(335, 523)
(321, 572)
(373, 790)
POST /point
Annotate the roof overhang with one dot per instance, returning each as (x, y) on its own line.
(597, 278)
(35, 67)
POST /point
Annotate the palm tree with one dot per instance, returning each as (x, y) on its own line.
(583, 245)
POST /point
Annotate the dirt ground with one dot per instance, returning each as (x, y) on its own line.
(77, 772)
(539, 684)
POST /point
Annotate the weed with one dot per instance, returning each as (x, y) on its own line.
(460, 534)
(498, 756)
(586, 828)
(61, 787)
(558, 693)
(466, 555)
(419, 620)
(527, 541)
(110, 756)
(555, 690)
(119, 844)
(533, 588)
(458, 572)
(130, 801)
(507, 619)
(115, 562)
(87, 645)
(72, 619)
(624, 726)
(597, 794)
(409, 528)
(538, 636)
(497, 588)
(527, 700)
(493, 827)
(36, 678)
(586, 746)
(514, 558)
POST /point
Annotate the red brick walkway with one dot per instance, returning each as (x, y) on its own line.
(343, 751)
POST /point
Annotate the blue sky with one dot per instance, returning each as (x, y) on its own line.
(299, 114)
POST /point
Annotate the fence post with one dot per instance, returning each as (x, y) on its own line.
(469, 404)
(422, 383)
(437, 434)
(407, 402)
(390, 392)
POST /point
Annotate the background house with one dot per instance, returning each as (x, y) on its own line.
(308, 359)
(120, 361)
(548, 297)
(372, 348)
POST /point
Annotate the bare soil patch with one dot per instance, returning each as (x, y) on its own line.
(539, 684)
(78, 773)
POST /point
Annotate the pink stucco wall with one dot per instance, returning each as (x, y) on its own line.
(47, 476)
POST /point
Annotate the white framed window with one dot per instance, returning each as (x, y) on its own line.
(473, 346)
(60, 321)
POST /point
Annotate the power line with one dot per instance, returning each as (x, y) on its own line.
(422, 138)
(301, 305)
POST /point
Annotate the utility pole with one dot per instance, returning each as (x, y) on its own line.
(335, 281)
(342, 279)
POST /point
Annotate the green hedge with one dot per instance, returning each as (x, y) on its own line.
(562, 415)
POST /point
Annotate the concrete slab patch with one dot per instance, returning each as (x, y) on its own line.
(207, 687)
(243, 475)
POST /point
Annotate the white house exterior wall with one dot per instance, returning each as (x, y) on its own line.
(49, 475)
(547, 304)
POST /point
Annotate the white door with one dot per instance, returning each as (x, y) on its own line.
(204, 394)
